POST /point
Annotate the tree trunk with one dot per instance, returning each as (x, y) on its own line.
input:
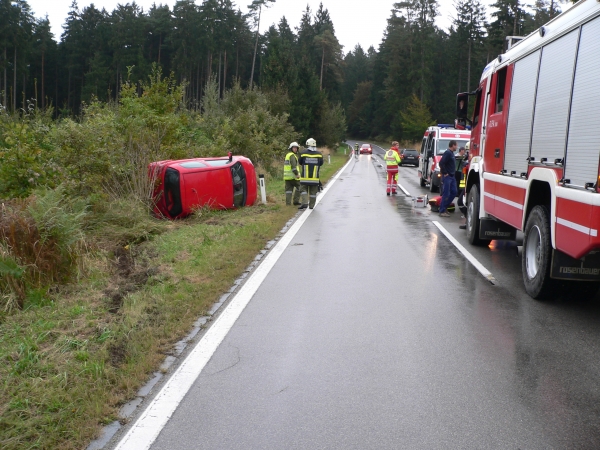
(197, 87)
(69, 88)
(56, 91)
(5, 65)
(322, 64)
(255, 47)
(237, 60)
(159, 46)
(225, 72)
(469, 69)
(43, 92)
(219, 74)
(422, 74)
(516, 14)
(15, 82)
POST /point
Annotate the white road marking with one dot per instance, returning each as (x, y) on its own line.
(482, 270)
(403, 190)
(148, 426)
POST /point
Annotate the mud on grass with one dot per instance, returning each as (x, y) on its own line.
(71, 360)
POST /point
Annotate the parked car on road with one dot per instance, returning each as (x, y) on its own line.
(409, 156)
(366, 148)
(181, 186)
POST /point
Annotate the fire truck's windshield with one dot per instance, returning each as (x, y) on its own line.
(442, 145)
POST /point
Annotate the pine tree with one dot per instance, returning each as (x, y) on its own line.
(415, 119)
(44, 44)
(470, 25)
(255, 11)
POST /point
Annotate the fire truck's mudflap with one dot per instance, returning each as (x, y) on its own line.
(566, 268)
(490, 229)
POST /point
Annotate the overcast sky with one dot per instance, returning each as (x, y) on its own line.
(356, 21)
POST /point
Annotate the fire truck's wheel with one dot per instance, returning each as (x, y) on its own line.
(537, 253)
(422, 182)
(473, 218)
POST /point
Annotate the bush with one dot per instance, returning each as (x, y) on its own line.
(25, 154)
(40, 242)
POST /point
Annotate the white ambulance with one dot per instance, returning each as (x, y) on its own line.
(434, 144)
(536, 152)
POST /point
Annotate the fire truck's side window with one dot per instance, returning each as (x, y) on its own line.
(477, 110)
(500, 89)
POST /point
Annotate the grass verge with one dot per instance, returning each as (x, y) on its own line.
(73, 357)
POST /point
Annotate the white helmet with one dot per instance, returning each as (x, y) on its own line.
(293, 144)
(311, 142)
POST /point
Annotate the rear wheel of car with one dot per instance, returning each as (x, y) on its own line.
(537, 254)
(473, 218)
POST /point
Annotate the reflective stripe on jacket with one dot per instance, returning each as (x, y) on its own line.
(311, 162)
(392, 159)
(290, 166)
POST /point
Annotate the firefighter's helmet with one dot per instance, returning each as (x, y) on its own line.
(311, 142)
(294, 144)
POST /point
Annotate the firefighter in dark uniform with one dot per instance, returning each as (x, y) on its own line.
(311, 161)
(291, 175)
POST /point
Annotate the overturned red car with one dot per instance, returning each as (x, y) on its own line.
(181, 186)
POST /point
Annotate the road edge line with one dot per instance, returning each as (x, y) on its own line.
(404, 190)
(150, 423)
(482, 270)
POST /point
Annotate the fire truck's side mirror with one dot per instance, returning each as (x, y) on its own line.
(462, 105)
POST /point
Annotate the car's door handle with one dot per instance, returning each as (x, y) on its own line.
(497, 153)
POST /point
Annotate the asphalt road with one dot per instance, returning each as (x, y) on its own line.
(373, 331)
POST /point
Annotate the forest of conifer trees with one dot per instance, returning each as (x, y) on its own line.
(416, 63)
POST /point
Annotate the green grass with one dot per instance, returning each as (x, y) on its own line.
(71, 358)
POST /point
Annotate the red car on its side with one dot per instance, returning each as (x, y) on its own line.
(366, 148)
(185, 185)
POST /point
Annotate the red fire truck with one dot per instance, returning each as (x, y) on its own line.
(535, 152)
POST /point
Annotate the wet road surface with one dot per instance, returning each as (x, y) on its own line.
(372, 331)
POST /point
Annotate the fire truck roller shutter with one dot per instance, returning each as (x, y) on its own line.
(583, 145)
(520, 113)
(553, 98)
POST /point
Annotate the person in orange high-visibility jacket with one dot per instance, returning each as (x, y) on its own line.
(392, 161)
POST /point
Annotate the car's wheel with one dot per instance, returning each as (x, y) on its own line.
(537, 254)
(432, 187)
(473, 218)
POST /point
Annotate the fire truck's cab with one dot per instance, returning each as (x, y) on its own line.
(534, 160)
(435, 142)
